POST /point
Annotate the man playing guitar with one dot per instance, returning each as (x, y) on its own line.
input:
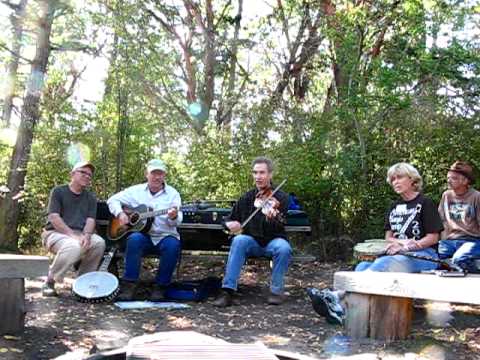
(162, 238)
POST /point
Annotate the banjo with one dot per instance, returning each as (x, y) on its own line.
(97, 286)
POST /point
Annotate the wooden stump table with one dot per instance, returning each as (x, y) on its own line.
(380, 304)
(13, 271)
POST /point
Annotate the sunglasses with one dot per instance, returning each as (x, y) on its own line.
(86, 173)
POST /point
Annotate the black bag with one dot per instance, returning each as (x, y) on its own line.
(194, 290)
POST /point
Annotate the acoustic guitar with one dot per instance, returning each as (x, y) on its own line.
(140, 219)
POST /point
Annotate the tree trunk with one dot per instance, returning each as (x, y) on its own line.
(9, 207)
(122, 134)
(17, 24)
(209, 61)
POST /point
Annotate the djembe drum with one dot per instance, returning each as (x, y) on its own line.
(369, 250)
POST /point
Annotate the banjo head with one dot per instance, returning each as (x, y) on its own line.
(95, 285)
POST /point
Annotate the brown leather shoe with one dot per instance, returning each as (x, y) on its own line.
(158, 293)
(275, 299)
(224, 300)
(128, 289)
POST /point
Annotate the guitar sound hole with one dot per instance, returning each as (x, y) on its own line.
(134, 218)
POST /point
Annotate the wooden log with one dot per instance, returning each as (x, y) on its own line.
(379, 317)
(22, 266)
(12, 306)
(357, 308)
(390, 317)
(416, 286)
(13, 270)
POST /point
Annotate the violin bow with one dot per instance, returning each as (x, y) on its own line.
(247, 220)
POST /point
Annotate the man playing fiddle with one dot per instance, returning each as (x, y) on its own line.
(263, 235)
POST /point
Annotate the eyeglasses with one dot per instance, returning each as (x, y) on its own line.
(86, 173)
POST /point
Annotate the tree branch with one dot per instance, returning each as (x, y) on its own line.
(3, 46)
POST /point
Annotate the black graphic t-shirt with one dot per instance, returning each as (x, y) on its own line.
(413, 219)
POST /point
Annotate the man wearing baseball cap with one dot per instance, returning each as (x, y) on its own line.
(162, 238)
(460, 213)
(69, 232)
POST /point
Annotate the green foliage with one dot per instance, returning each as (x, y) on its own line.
(416, 100)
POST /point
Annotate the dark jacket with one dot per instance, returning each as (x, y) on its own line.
(259, 227)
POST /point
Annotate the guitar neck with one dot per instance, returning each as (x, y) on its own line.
(154, 213)
(150, 214)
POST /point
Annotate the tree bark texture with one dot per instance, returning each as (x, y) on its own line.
(9, 206)
(10, 89)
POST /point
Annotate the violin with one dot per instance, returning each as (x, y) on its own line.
(266, 203)
(269, 205)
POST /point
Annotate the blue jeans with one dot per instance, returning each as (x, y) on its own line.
(400, 263)
(244, 246)
(139, 244)
(463, 252)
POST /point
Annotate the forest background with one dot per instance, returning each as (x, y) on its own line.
(334, 91)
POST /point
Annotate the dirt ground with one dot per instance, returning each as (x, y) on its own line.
(56, 326)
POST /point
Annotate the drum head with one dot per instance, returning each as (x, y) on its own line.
(95, 285)
(370, 248)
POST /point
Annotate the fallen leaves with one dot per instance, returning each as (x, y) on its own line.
(54, 327)
(274, 340)
(181, 323)
(4, 350)
(11, 337)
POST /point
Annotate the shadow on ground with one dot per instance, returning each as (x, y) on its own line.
(56, 326)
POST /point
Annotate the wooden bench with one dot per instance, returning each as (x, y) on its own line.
(380, 304)
(13, 271)
(206, 255)
(217, 249)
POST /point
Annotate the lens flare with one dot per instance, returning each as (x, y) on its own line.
(77, 152)
(8, 136)
(198, 111)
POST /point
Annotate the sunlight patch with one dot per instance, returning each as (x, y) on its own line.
(179, 322)
(77, 152)
(8, 136)
(274, 340)
(438, 313)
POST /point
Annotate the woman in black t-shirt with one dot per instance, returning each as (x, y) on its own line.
(412, 224)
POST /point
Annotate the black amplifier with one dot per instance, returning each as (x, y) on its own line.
(211, 215)
(297, 218)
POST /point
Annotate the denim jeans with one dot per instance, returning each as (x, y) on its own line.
(244, 246)
(463, 252)
(139, 244)
(400, 263)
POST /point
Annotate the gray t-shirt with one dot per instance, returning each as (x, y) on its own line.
(74, 209)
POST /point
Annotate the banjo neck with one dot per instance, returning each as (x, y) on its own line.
(107, 260)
